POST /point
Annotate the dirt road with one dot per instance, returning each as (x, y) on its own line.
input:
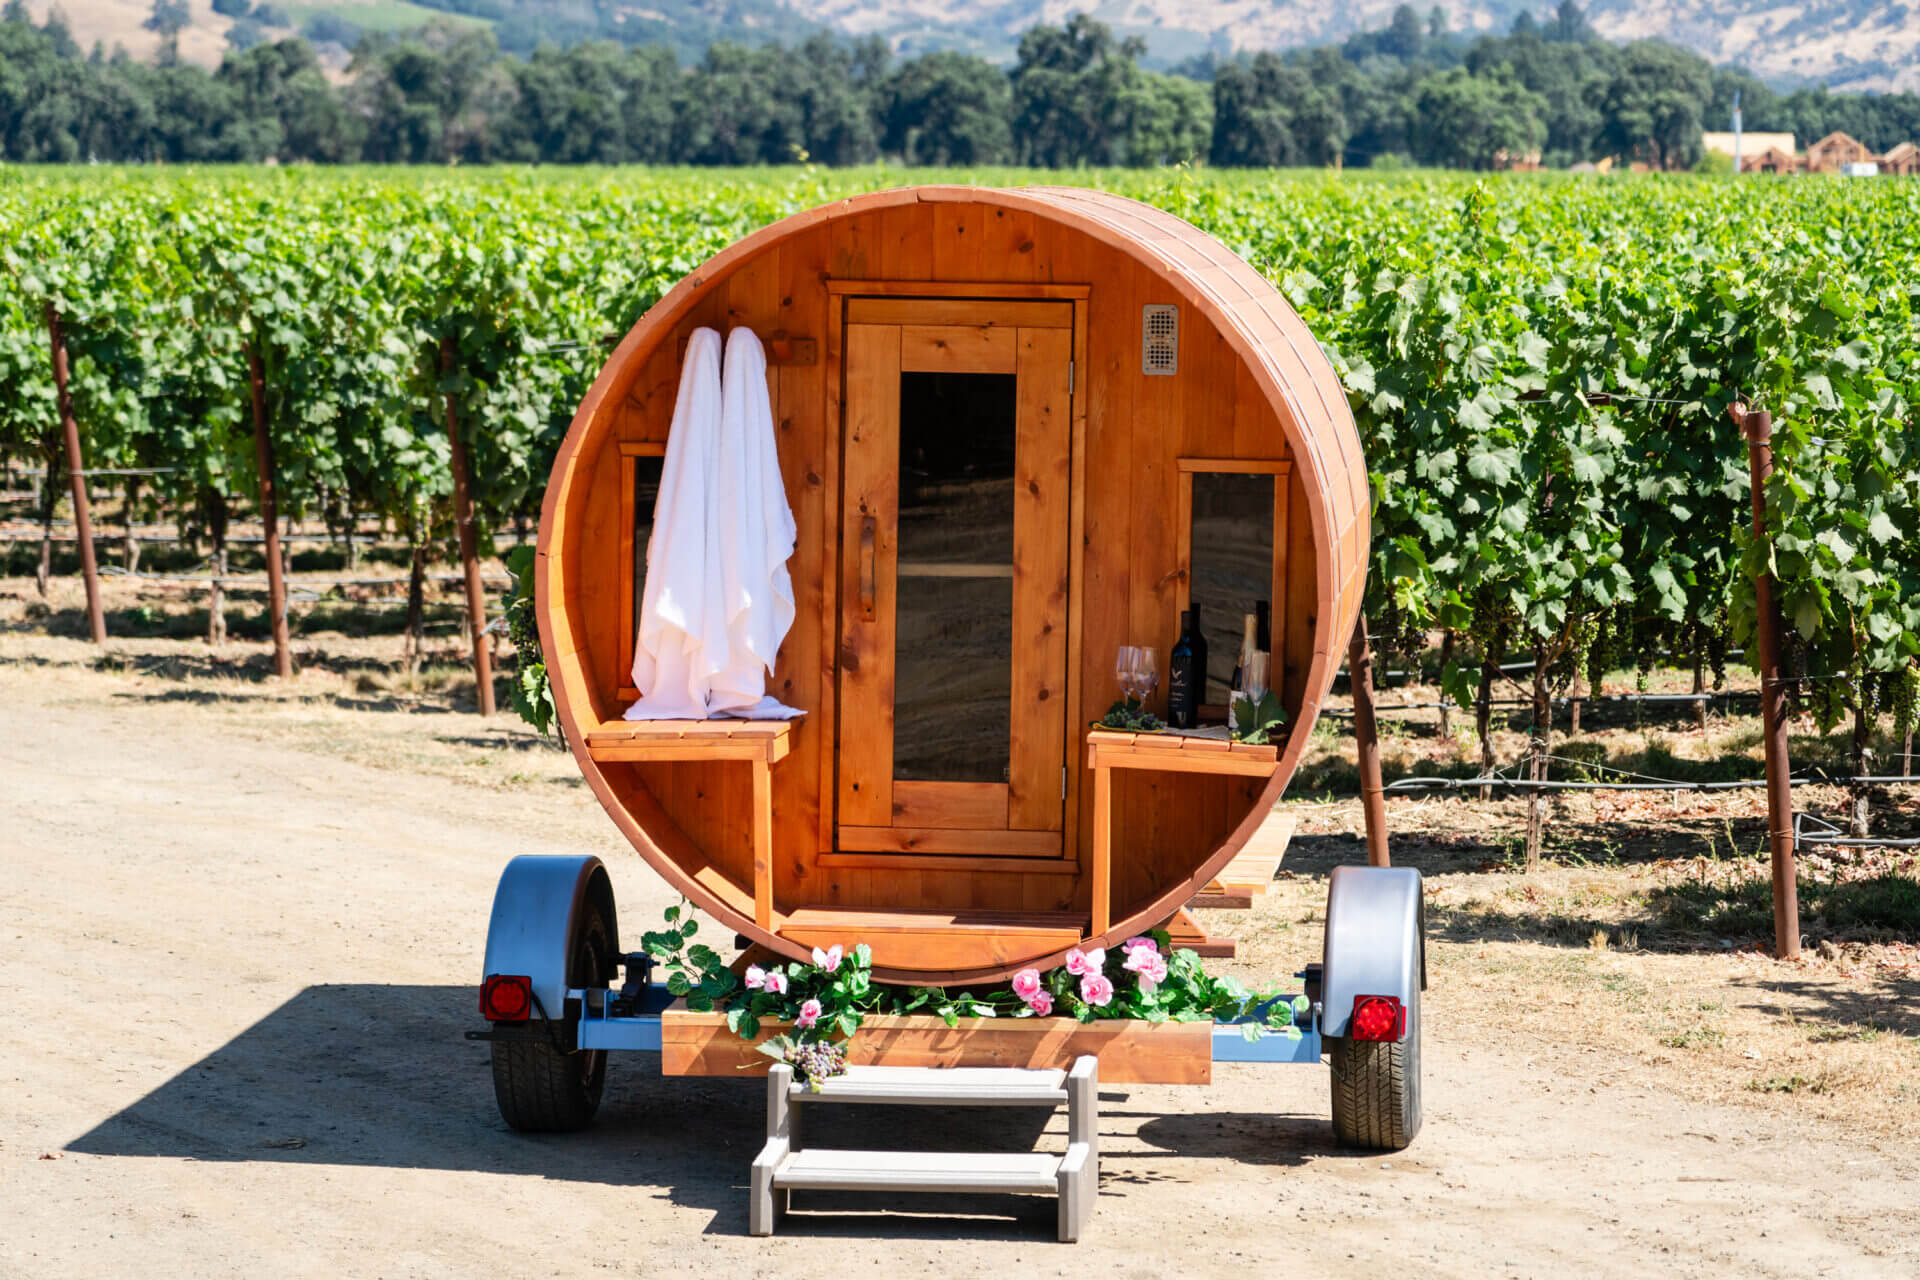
(241, 951)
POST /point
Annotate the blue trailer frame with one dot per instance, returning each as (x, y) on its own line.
(599, 1028)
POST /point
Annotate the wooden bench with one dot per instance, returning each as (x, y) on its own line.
(760, 743)
(784, 1166)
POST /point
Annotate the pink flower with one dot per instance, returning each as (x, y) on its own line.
(1026, 984)
(1152, 969)
(1041, 1003)
(1082, 963)
(756, 977)
(776, 983)
(809, 1014)
(828, 959)
(1137, 942)
(1096, 989)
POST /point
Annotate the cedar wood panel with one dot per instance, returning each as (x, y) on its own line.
(1136, 427)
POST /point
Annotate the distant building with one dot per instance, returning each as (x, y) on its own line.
(1833, 153)
(1752, 145)
(1902, 160)
(1836, 153)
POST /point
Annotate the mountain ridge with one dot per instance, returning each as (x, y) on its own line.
(1871, 45)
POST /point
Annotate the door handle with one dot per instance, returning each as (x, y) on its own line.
(867, 531)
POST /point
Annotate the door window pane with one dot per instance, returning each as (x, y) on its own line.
(953, 623)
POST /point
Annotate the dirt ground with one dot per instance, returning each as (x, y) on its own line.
(243, 926)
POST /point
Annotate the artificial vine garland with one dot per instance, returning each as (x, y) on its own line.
(826, 999)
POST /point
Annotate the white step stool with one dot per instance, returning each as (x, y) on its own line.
(783, 1166)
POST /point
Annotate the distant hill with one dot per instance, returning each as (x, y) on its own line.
(1849, 44)
(1853, 44)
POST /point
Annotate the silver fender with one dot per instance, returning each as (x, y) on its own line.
(535, 910)
(1376, 943)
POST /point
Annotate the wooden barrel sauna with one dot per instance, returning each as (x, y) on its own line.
(1018, 429)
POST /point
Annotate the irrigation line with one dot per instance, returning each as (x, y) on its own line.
(1558, 702)
(1828, 834)
(245, 584)
(1528, 784)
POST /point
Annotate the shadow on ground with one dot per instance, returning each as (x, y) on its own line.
(380, 1076)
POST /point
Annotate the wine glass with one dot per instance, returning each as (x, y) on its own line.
(1146, 670)
(1137, 668)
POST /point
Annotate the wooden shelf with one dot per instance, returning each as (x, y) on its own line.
(938, 940)
(646, 741)
(1206, 750)
(758, 743)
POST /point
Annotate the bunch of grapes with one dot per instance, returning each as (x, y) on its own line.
(1903, 697)
(817, 1061)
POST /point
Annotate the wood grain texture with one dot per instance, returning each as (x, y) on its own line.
(952, 348)
(1253, 386)
(980, 805)
(935, 941)
(993, 313)
(898, 839)
(1042, 468)
(871, 494)
(1130, 1052)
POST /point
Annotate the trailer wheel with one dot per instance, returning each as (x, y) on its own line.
(1376, 1087)
(541, 1089)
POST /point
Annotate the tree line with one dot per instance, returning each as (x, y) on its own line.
(1075, 95)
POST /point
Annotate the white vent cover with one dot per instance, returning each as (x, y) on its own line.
(1159, 339)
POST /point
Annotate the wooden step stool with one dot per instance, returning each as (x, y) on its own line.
(783, 1166)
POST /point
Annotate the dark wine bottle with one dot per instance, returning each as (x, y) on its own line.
(1262, 626)
(1186, 673)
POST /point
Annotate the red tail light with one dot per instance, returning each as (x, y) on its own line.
(506, 997)
(1378, 1018)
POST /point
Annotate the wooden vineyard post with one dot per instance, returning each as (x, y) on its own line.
(1373, 796)
(1758, 428)
(269, 517)
(76, 472)
(469, 542)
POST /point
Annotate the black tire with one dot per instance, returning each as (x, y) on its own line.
(1376, 1088)
(539, 1088)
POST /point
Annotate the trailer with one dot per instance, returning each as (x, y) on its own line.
(1019, 431)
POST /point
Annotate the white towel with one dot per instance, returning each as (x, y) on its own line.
(718, 599)
(682, 638)
(756, 534)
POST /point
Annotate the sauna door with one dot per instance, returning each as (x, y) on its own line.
(953, 586)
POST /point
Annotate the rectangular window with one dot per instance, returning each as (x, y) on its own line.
(952, 698)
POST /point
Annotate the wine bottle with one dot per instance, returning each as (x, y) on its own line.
(1263, 626)
(1186, 673)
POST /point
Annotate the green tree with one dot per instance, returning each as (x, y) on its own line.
(1651, 108)
(1473, 122)
(947, 108)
